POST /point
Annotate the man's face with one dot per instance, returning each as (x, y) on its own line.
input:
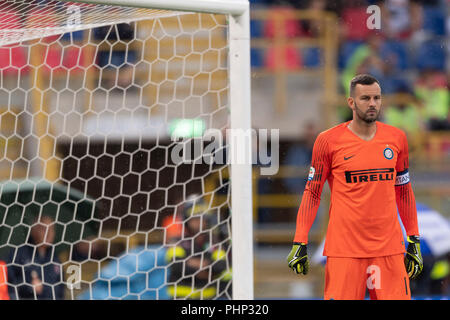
(43, 232)
(366, 102)
(195, 224)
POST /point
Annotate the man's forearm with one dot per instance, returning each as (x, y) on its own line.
(306, 215)
(406, 204)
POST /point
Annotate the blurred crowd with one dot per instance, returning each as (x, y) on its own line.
(408, 54)
(193, 262)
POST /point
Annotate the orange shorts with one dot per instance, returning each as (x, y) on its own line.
(384, 277)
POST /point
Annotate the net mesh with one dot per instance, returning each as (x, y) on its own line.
(24, 20)
(93, 204)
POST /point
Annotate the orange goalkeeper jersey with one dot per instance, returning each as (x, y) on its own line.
(367, 179)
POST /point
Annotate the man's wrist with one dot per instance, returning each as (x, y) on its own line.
(413, 239)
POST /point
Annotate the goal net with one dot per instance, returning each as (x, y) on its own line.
(108, 188)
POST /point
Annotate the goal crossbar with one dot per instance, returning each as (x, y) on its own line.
(233, 7)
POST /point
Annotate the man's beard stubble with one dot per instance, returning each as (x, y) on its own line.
(364, 115)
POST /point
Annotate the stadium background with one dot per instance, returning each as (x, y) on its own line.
(302, 56)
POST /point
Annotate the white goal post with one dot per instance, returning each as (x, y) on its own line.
(239, 106)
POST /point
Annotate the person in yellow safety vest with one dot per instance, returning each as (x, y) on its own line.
(432, 92)
(440, 276)
(199, 268)
(408, 117)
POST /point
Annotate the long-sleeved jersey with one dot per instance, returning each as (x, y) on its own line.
(368, 181)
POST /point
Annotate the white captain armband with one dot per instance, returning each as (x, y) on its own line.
(402, 178)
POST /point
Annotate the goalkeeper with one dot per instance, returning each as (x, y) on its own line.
(366, 165)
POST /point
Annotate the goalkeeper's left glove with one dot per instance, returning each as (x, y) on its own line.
(413, 257)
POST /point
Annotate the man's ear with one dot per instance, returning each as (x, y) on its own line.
(351, 102)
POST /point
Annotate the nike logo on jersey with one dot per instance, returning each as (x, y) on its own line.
(346, 158)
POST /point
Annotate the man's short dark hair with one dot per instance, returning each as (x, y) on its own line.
(364, 79)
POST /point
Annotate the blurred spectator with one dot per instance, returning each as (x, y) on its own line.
(448, 39)
(375, 58)
(313, 27)
(431, 14)
(401, 18)
(34, 270)
(90, 248)
(198, 268)
(299, 154)
(407, 116)
(262, 157)
(354, 21)
(432, 91)
(174, 228)
(173, 223)
(120, 59)
(440, 277)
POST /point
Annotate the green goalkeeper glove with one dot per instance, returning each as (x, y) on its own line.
(298, 258)
(413, 257)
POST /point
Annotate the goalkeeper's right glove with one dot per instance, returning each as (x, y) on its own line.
(298, 258)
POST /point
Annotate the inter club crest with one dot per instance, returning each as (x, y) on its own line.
(388, 153)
